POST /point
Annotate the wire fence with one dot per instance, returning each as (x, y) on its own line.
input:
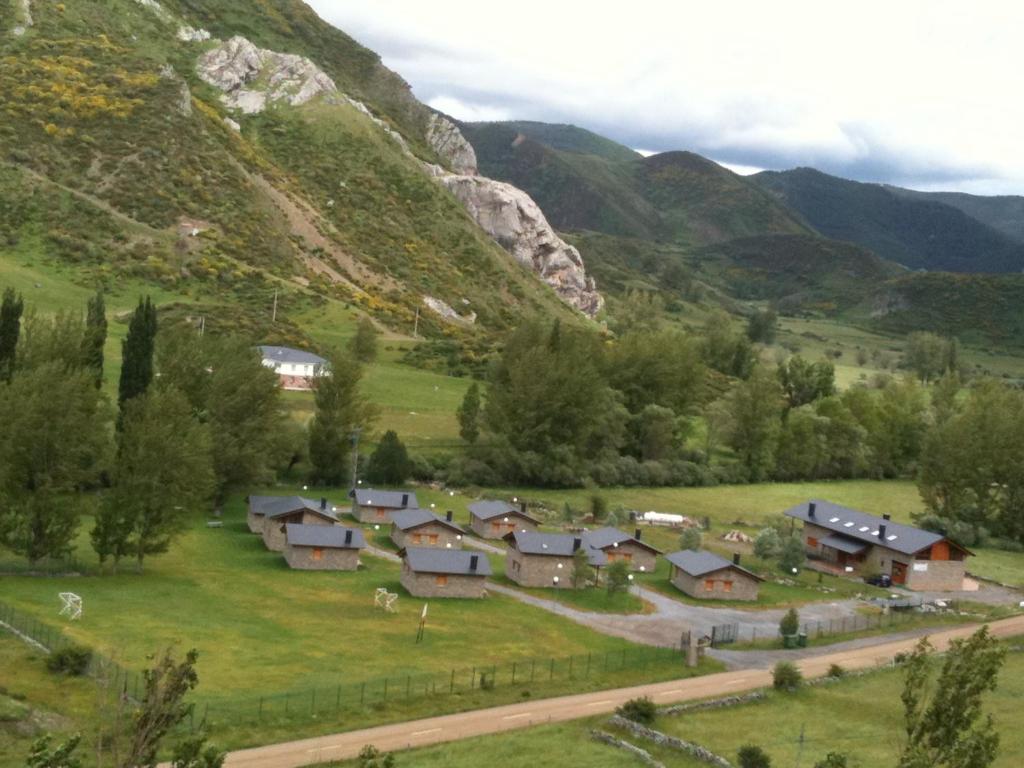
(52, 639)
(333, 699)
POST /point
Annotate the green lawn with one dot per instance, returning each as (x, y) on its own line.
(861, 716)
(221, 591)
(593, 599)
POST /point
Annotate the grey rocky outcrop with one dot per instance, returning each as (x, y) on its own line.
(516, 222)
(451, 146)
(447, 312)
(253, 77)
(24, 10)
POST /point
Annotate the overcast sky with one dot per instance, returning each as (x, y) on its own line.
(921, 93)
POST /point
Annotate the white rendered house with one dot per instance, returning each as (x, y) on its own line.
(295, 368)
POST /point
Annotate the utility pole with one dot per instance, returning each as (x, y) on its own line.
(355, 456)
(800, 745)
(273, 317)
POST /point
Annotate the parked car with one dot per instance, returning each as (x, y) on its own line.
(883, 580)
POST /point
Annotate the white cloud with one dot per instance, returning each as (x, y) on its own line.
(920, 91)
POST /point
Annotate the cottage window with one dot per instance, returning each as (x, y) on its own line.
(709, 585)
(627, 556)
(495, 526)
(432, 538)
(727, 586)
(416, 538)
(811, 541)
(380, 513)
(441, 580)
(318, 553)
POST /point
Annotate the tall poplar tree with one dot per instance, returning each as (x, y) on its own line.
(95, 336)
(137, 355)
(10, 327)
(340, 409)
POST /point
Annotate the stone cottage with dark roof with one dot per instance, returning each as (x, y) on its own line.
(435, 572)
(323, 547)
(422, 528)
(843, 540)
(619, 545)
(547, 559)
(275, 520)
(707, 576)
(258, 506)
(372, 505)
(496, 519)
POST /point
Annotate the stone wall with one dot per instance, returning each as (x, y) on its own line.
(743, 587)
(939, 576)
(670, 742)
(633, 749)
(538, 570)
(420, 536)
(273, 528)
(426, 584)
(254, 521)
(331, 559)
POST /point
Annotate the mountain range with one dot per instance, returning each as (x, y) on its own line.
(234, 149)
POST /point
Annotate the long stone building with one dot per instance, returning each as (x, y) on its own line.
(547, 559)
(435, 572)
(323, 547)
(422, 528)
(706, 576)
(847, 541)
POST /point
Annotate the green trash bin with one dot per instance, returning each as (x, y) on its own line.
(801, 639)
(789, 641)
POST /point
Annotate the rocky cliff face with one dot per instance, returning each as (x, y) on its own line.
(516, 222)
(251, 78)
(451, 146)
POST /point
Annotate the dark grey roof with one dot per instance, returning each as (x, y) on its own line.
(407, 519)
(276, 506)
(374, 497)
(553, 544)
(697, 562)
(258, 503)
(861, 526)
(602, 538)
(327, 536)
(290, 355)
(448, 561)
(489, 509)
(843, 544)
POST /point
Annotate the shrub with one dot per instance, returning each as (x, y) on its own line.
(767, 544)
(691, 538)
(790, 623)
(641, 710)
(786, 676)
(752, 756)
(371, 757)
(836, 671)
(833, 760)
(71, 660)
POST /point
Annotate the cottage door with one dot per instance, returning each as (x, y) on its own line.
(899, 572)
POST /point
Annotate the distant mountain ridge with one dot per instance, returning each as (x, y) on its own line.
(1004, 213)
(920, 232)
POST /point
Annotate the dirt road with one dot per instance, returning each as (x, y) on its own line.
(434, 730)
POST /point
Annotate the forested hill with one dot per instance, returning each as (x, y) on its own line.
(918, 232)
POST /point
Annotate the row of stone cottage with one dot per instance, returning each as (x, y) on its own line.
(310, 536)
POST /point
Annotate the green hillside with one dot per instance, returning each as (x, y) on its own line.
(586, 182)
(1004, 213)
(918, 233)
(116, 159)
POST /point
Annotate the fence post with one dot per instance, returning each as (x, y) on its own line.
(259, 716)
(533, 668)
(362, 694)
(451, 685)
(385, 689)
(408, 685)
(513, 673)
(286, 697)
(337, 699)
(570, 666)
(588, 664)
(472, 679)
(312, 702)
(551, 675)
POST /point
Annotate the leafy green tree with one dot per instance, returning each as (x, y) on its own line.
(11, 308)
(752, 756)
(803, 382)
(363, 346)
(42, 755)
(639, 311)
(895, 421)
(791, 554)
(663, 368)
(762, 326)
(657, 432)
(163, 470)
(726, 349)
(389, 463)
(641, 710)
(691, 538)
(580, 568)
(598, 507)
(617, 578)
(341, 408)
(929, 356)
(111, 535)
(371, 757)
(137, 354)
(943, 718)
(790, 623)
(56, 339)
(767, 544)
(786, 676)
(469, 414)
(550, 413)
(53, 443)
(568, 514)
(194, 752)
(95, 336)
(755, 408)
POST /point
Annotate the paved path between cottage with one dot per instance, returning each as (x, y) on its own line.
(483, 546)
(436, 730)
(382, 553)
